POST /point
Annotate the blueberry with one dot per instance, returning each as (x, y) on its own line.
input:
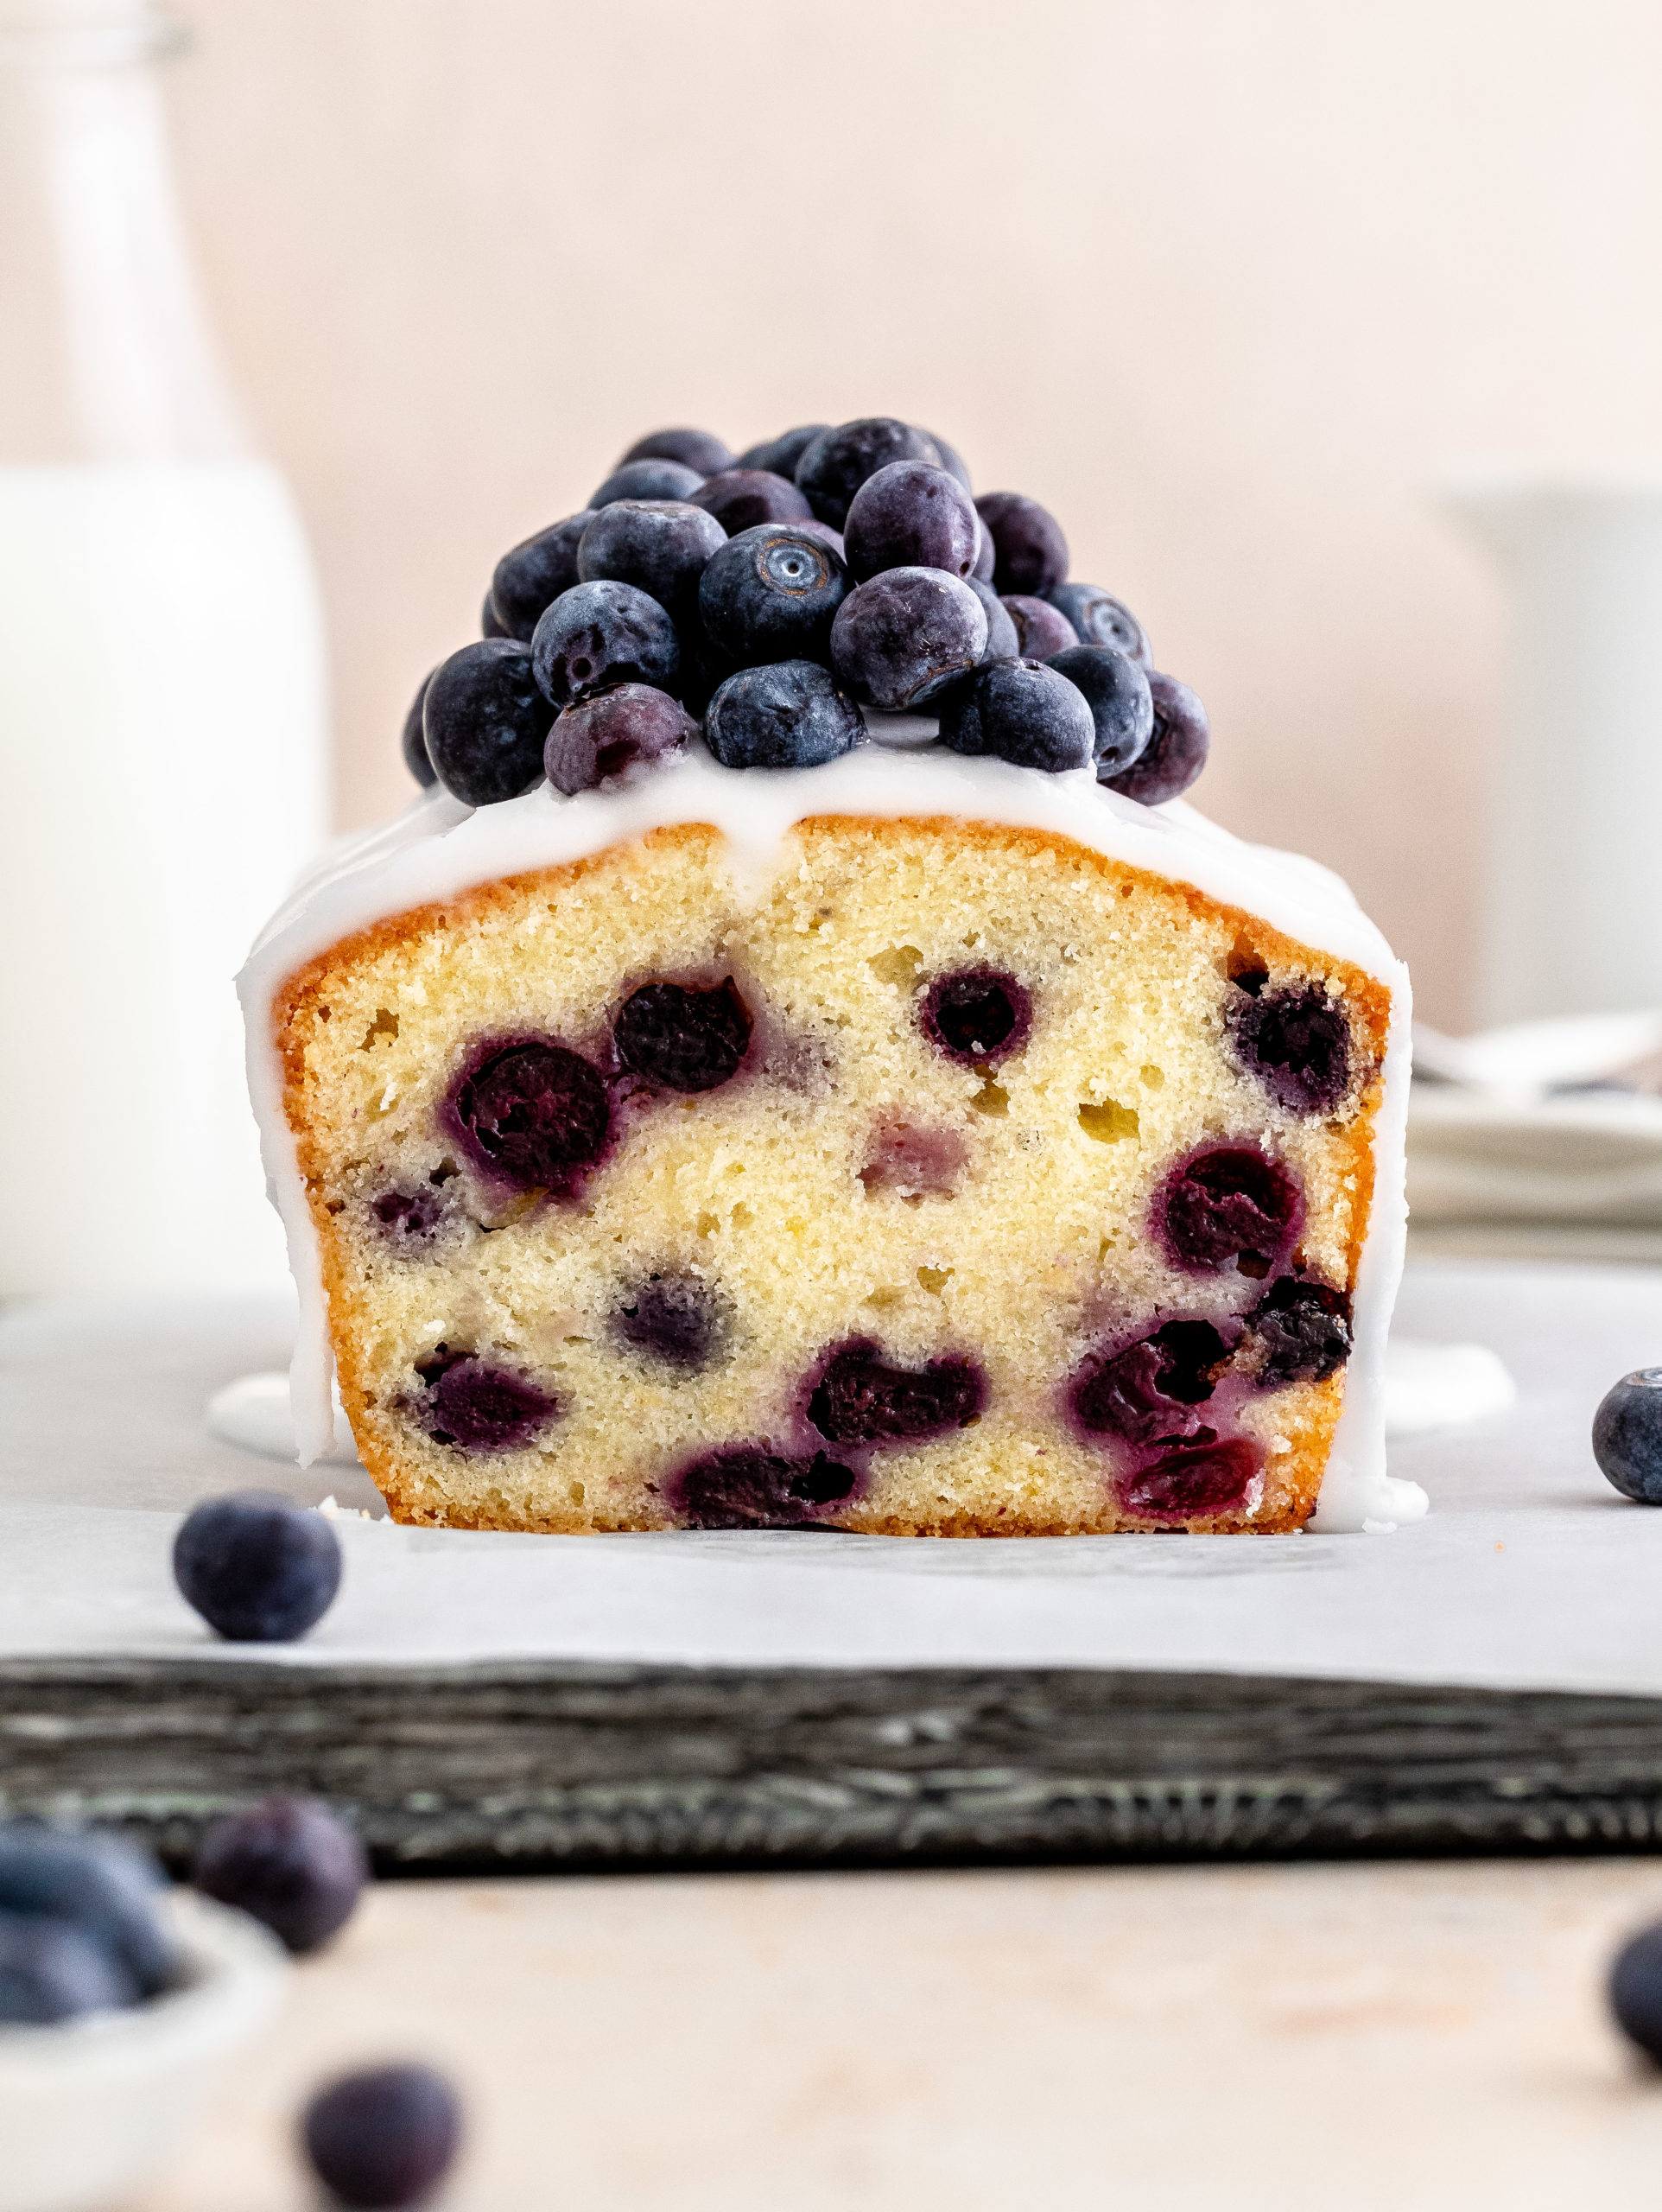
(910, 515)
(1193, 1482)
(1304, 1329)
(703, 671)
(649, 480)
(902, 637)
(1029, 552)
(692, 449)
(914, 1163)
(599, 634)
(675, 1319)
(1040, 629)
(1002, 642)
(822, 534)
(688, 1040)
(780, 455)
(533, 574)
(1147, 1389)
(51, 1970)
(745, 498)
(414, 738)
(977, 1016)
(951, 460)
(529, 1113)
(771, 593)
(1296, 1041)
(408, 1217)
(748, 1486)
(1122, 707)
(1175, 753)
(485, 722)
(1229, 1204)
(259, 1568)
(1627, 1439)
(475, 1404)
(986, 553)
(1100, 619)
(491, 624)
(658, 545)
(832, 468)
(596, 740)
(789, 715)
(107, 1887)
(1636, 1988)
(383, 2138)
(1019, 710)
(859, 1400)
(290, 1863)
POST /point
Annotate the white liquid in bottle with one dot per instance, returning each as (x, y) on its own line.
(161, 723)
(162, 759)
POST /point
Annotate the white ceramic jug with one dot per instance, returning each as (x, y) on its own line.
(1572, 911)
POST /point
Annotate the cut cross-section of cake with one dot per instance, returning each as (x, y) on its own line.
(908, 1145)
(802, 1064)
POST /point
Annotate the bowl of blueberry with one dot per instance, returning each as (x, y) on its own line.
(121, 2001)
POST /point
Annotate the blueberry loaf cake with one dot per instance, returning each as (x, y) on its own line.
(792, 1073)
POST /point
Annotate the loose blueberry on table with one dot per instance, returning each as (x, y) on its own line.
(259, 1568)
(1627, 1436)
(290, 1863)
(720, 583)
(383, 2138)
(1636, 1992)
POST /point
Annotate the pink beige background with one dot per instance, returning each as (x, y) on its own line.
(1232, 284)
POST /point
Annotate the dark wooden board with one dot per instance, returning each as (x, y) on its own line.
(538, 1766)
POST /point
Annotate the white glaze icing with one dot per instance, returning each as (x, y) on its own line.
(1430, 1386)
(255, 1414)
(438, 847)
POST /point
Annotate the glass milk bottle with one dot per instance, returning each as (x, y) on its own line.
(162, 762)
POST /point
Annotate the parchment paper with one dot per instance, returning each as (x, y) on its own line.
(1529, 1572)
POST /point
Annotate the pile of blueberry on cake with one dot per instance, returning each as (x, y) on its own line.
(982, 1164)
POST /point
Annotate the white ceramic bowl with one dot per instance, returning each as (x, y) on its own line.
(87, 2110)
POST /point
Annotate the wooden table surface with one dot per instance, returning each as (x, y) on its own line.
(1305, 2038)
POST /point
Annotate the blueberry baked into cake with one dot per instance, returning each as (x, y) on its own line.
(801, 1064)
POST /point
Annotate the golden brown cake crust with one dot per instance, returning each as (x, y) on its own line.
(388, 1006)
